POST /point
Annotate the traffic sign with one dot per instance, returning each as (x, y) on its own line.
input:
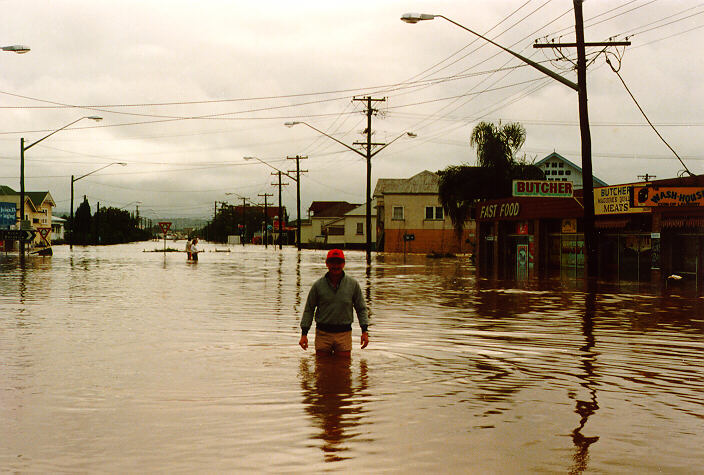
(17, 235)
(44, 232)
(165, 226)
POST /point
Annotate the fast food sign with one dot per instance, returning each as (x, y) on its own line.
(667, 196)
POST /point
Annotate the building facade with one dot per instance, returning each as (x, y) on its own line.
(410, 217)
(646, 233)
(558, 168)
(322, 215)
(38, 206)
(349, 231)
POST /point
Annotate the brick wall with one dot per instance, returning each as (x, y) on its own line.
(428, 240)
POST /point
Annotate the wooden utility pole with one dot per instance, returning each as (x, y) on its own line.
(244, 217)
(298, 197)
(266, 218)
(590, 237)
(281, 218)
(646, 177)
(369, 144)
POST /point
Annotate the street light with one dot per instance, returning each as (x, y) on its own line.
(581, 88)
(368, 156)
(23, 149)
(19, 49)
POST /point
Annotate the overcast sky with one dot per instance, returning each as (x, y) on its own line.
(187, 89)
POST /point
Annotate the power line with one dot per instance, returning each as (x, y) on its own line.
(646, 117)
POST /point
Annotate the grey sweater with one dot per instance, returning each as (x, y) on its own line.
(332, 308)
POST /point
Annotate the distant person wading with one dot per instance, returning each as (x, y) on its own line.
(194, 250)
(330, 302)
(189, 244)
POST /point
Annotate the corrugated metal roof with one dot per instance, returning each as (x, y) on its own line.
(423, 182)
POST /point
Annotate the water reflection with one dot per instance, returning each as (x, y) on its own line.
(108, 361)
(586, 408)
(334, 401)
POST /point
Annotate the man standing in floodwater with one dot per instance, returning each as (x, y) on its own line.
(194, 249)
(189, 243)
(330, 302)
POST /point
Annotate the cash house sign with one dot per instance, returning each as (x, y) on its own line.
(657, 196)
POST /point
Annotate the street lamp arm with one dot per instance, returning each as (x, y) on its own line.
(101, 168)
(270, 166)
(291, 124)
(59, 130)
(409, 134)
(415, 18)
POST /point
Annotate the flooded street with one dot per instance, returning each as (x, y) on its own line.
(118, 360)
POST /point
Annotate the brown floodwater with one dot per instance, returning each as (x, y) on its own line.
(118, 360)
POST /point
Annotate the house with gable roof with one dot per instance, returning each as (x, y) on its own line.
(348, 231)
(322, 215)
(410, 217)
(558, 168)
(38, 207)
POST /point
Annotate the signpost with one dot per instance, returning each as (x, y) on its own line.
(8, 215)
(165, 226)
(44, 232)
(17, 234)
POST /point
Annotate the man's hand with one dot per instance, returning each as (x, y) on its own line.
(303, 342)
(365, 339)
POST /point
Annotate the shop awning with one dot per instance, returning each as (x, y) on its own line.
(682, 222)
(611, 223)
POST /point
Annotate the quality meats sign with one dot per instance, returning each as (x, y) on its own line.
(615, 200)
(667, 196)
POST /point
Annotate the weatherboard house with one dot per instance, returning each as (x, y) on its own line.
(558, 168)
(38, 207)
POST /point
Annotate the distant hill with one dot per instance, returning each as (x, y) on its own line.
(177, 223)
(182, 223)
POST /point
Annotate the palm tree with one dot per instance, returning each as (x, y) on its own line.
(461, 186)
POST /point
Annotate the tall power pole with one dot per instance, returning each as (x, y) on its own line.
(266, 218)
(369, 144)
(590, 237)
(244, 217)
(298, 197)
(281, 217)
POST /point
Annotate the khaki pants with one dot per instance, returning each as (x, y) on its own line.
(332, 342)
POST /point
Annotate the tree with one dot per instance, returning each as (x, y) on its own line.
(106, 226)
(82, 223)
(461, 186)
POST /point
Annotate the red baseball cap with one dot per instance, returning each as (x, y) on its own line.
(335, 254)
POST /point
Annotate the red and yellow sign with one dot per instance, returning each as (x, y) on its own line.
(615, 200)
(664, 196)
